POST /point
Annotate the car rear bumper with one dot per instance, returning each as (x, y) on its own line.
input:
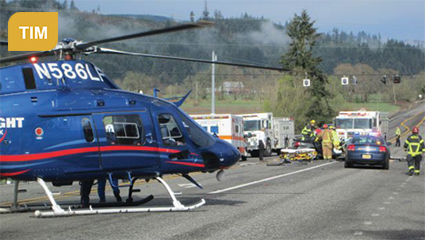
(376, 158)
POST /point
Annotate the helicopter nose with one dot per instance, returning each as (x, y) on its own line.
(227, 153)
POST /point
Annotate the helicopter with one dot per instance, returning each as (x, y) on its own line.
(65, 120)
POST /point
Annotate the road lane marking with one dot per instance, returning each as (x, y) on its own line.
(387, 203)
(187, 185)
(375, 215)
(381, 208)
(269, 179)
(408, 128)
(358, 233)
(367, 223)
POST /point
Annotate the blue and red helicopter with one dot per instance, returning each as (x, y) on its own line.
(63, 121)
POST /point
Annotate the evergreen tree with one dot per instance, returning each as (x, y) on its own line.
(72, 6)
(205, 13)
(192, 16)
(65, 5)
(300, 57)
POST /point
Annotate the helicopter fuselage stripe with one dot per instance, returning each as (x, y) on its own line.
(41, 156)
(14, 173)
(4, 135)
(187, 164)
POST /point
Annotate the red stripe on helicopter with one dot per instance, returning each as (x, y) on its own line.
(188, 164)
(40, 156)
(13, 174)
(2, 138)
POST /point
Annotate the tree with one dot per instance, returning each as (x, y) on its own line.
(300, 57)
(192, 16)
(205, 13)
(72, 6)
(65, 5)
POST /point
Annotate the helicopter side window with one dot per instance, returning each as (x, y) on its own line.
(170, 131)
(87, 129)
(124, 130)
(29, 78)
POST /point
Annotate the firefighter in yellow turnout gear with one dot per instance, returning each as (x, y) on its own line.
(327, 141)
(308, 131)
(415, 147)
(335, 137)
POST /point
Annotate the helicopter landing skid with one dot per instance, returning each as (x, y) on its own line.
(57, 211)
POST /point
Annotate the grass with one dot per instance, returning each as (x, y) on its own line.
(383, 107)
(250, 106)
(224, 106)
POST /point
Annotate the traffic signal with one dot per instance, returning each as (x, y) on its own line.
(306, 82)
(397, 79)
(354, 80)
(384, 79)
(344, 81)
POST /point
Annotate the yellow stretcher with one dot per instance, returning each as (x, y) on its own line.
(302, 154)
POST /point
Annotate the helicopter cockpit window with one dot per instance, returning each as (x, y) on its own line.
(87, 129)
(124, 130)
(170, 131)
(197, 134)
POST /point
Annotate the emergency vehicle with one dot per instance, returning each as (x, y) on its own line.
(348, 123)
(227, 127)
(272, 133)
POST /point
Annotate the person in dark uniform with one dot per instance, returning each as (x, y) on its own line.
(101, 184)
(85, 189)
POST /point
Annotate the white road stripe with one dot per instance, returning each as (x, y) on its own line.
(270, 178)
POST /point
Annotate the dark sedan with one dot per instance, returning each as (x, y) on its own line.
(369, 149)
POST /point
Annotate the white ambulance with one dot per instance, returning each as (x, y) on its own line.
(227, 127)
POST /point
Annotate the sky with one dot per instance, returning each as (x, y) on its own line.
(396, 19)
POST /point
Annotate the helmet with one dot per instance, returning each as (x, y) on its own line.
(415, 130)
(331, 127)
(325, 126)
(313, 121)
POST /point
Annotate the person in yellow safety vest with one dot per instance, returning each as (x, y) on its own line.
(335, 137)
(308, 131)
(327, 140)
(415, 147)
(397, 134)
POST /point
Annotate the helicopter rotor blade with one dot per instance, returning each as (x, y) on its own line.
(3, 43)
(26, 56)
(201, 24)
(112, 51)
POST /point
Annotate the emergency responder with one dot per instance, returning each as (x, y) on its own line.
(327, 140)
(85, 189)
(415, 147)
(397, 134)
(308, 131)
(335, 137)
(101, 184)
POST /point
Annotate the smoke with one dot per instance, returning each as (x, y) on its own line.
(269, 34)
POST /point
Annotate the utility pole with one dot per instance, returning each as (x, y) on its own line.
(196, 101)
(214, 58)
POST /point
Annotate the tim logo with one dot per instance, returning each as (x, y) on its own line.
(33, 31)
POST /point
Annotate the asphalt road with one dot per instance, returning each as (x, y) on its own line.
(319, 200)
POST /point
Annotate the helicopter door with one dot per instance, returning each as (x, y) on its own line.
(126, 141)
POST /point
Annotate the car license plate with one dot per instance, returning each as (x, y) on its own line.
(367, 156)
